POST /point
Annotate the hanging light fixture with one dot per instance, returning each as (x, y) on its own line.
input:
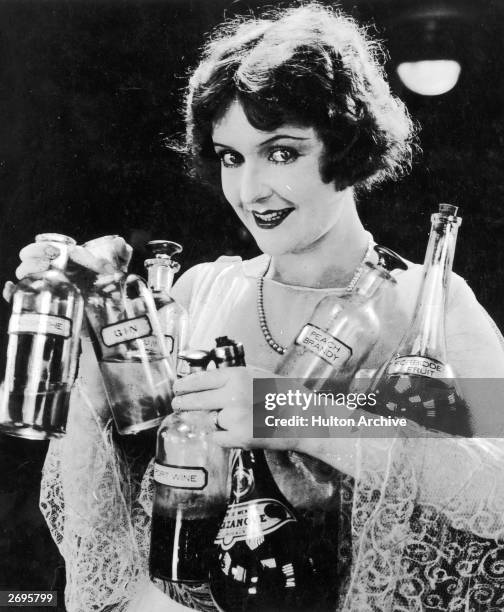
(428, 44)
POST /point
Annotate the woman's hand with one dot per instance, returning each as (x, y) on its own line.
(37, 257)
(230, 392)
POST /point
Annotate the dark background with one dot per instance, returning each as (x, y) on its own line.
(89, 91)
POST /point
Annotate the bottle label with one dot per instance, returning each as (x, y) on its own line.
(181, 477)
(40, 324)
(418, 366)
(251, 520)
(126, 330)
(151, 344)
(325, 346)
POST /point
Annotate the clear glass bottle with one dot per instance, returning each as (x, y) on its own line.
(341, 332)
(190, 476)
(418, 382)
(161, 270)
(42, 354)
(138, 375)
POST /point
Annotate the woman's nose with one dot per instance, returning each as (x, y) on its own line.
(253, 186)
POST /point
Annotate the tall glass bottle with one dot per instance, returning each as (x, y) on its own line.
(161, 270)
(137, 373)
(418, 382)
(342, 330)
(190, 476)
(42, 353)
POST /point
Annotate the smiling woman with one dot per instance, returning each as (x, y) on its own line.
(290, 115)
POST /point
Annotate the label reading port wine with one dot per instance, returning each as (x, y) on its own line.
(34, 323)
(327, 347)
(181, 477)
(126, 330)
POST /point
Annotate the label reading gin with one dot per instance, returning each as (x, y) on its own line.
(251, 521)
(327, 347)
(35, 323)
(181, 477)
(419, 366)
(127, 330)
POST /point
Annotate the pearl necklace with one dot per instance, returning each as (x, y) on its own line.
(260, 298)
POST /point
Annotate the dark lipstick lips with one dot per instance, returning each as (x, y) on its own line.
(271, 218)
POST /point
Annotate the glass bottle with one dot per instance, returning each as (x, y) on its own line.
(138, 375)
(418, 382)
(341, 331)
(160, 270)
(190, 476)
(42, 353)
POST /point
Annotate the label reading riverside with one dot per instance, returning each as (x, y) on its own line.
(181, 477)
(127, 330)
(252, 520)
(327, 347)
(419, 366)
(34, 323)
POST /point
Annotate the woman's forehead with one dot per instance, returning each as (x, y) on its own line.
(234, 126)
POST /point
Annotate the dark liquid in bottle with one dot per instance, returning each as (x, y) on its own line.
(431, 402)
(272, 575)
(180, 547)
(35, 404)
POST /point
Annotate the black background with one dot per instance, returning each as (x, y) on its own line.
(89, 91)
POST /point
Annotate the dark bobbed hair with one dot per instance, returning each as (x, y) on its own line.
(310, 66)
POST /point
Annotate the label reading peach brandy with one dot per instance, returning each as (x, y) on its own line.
(327, 347)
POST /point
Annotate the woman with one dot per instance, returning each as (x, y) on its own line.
(295, 111)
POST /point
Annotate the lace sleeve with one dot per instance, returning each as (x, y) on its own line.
(87, 500)
(429, 529)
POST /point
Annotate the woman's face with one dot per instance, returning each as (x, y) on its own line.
(272, 180)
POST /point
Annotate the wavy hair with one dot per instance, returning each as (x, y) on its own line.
(311, 66)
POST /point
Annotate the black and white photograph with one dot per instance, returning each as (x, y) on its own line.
(251, 356)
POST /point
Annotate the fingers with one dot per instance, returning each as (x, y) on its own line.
(200, 381)
(204, 400)
(8, 290)
(123, 251)
(85, 259)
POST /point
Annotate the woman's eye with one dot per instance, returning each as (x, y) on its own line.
(230, 159)
(283, 156)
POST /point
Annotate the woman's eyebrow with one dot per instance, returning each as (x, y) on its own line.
(269, 140)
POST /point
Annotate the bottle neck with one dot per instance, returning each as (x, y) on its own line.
(427, 335)
(252, 478)
(371, 281)
(160, 277)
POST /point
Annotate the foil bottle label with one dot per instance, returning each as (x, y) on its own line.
(181, 477)
(251, 520)
(418, 366)
(126, 330)
(325, 346)
(35, 323)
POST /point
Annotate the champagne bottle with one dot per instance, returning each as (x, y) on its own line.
(417, 382)
(161, 268)
(342, 330)
(260, 561)
(44, 331)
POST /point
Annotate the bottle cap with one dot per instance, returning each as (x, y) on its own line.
(59, 259)
(228, 353)
(161, 268)
(164, 248)
(389, 260)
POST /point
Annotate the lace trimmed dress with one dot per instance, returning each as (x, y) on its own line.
(408, 532)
